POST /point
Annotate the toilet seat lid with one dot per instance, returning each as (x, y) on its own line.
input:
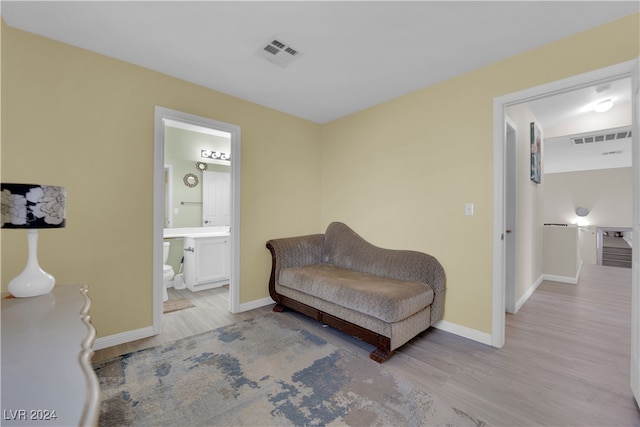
(167, 269)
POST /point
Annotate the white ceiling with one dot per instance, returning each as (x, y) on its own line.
(571, 114)
(354, 54)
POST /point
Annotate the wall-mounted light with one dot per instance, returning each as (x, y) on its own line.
(603, 106)
(581, 211)
(218, 155)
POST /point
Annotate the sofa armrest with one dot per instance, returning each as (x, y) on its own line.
(293, 252)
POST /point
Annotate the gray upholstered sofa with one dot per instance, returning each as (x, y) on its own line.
(385, 297)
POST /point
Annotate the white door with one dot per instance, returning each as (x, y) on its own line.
(510, 215)
(635, 278)
(216, 198)
(168, 196)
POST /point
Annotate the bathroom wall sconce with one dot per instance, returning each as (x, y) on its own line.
(582, 212)
(208, 154)
(32, 206)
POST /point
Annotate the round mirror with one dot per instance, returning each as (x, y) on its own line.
(190, 180)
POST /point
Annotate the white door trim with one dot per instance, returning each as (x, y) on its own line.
(158, 205)
(614, 72)
(635, 223)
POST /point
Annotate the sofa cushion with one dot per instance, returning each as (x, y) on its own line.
(387, 299)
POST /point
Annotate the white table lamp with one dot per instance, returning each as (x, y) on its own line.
(32, 206)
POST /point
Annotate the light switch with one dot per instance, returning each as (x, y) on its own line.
(468, 209)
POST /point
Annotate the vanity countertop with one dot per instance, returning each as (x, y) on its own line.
(171, 233)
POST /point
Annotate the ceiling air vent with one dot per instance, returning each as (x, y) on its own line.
(279, 52)
(602, 136)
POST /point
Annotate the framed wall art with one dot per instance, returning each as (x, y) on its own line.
(536, 154)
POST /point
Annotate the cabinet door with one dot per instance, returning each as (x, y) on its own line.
(212, 259)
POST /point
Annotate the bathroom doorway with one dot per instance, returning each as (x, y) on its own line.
(185, 212)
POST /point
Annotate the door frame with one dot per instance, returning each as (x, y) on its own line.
(160, 114)
(635, 224)
(614, 72)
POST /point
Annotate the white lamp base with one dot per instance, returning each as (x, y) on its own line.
(33, 281)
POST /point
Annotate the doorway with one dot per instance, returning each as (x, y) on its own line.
(630, 69)
(624, 70)
(161, 116)
(613, 246)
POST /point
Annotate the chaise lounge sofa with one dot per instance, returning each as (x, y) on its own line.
(382, 296)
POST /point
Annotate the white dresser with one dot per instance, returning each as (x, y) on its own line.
(47, 378)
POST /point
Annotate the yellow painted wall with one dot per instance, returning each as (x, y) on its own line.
(85, 121)
(400, 173)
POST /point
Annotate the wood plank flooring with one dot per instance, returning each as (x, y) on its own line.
(565, 361)
(211, 311)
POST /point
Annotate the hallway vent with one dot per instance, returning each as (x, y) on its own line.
(279, 52)
(603, 136)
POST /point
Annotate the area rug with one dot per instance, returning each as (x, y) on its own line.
(176, 305)
(260, 372)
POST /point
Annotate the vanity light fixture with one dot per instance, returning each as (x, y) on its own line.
(603, 106)
(208, 154)
(32, 206)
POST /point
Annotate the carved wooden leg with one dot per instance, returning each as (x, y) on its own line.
(380, 355)
(278, 308)
(383, 352)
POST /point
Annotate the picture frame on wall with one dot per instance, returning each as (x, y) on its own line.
(536, 154)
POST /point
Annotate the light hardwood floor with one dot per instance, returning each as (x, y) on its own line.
(211, 311)
(565, 361)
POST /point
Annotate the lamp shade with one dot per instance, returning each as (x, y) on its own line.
(33, 206)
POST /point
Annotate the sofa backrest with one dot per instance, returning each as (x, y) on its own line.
(344, 248)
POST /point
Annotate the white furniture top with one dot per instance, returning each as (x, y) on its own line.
(47, 378)
(214, 231)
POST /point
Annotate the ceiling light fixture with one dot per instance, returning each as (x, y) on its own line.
(603, 106)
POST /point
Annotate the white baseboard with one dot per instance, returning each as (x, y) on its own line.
(463, 331)
(527, 294)
(564, 279)
(255, 304)
(123, 337)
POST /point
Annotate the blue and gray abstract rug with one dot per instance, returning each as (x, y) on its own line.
(259, 372)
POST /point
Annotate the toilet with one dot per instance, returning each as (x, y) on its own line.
(167, 270)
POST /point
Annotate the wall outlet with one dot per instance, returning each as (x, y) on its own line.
(468, 209)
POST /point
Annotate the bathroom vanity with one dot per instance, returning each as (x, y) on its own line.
(206, 262)
(207, 256)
